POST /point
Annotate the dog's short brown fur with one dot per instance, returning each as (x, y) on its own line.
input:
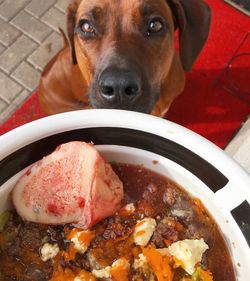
(122, 46)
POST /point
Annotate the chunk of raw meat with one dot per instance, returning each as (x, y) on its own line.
(74, 185)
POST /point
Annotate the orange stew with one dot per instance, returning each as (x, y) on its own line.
(146, 240)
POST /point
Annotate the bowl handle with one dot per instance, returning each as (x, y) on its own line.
(230, 196)
(234, 200)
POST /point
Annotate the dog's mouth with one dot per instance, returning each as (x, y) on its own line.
(116, 88)
(139, 107)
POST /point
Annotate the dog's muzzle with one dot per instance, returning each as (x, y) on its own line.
(119, 86)
(122, 88)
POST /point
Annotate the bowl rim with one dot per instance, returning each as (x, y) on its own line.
(55, 124)
(102, 118)
(50, 125)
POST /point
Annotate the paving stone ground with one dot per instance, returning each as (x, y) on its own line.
(29, 38)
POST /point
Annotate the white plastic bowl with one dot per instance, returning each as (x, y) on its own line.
(196, 164)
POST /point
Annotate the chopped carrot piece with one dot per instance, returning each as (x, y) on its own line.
(159, 264)
(86, 276)
(120, 272)
(85, 237)
(167, 242)
(136, 251)
(206, 275)
(70, 255)
(61, 274)
(139, 233)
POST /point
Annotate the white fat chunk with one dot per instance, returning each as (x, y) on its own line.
(144, 229)
(102, 273)
(141, 262)
(49, 251)
(79, 246)
(130, 208)
(122, 262)
(106, 272)
(189, 252)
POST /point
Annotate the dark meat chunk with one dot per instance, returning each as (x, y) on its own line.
(13, 250)
(148, 193)
(31, 237)
(145, 209)
(19, 255)
(163, 232)
(116, 228)
(83, 262)
(37, 273)
(169, 197)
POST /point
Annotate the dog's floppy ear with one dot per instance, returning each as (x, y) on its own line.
(71, 16)
(192, 17)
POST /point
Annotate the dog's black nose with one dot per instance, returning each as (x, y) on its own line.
(119, 85)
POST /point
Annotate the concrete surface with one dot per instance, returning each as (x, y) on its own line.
(29, 37)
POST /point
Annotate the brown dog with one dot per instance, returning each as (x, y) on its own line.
(121, 54)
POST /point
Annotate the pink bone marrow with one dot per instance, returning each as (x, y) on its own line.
(74, 184)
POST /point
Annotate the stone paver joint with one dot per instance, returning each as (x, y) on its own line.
(29, 38)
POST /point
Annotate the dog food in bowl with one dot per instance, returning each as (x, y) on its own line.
(160, 233)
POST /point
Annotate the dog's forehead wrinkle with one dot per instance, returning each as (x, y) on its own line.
(96, 12)
(149, 8)
(121, 7)
(93, 9)
(100, 6)
(145, 7)
(87, 5)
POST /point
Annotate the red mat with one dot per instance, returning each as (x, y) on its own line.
(203, 107)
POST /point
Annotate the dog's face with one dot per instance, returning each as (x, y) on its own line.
(129, 47)
(124, 49)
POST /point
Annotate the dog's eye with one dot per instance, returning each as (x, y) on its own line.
(155, 26)
(87, 28)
